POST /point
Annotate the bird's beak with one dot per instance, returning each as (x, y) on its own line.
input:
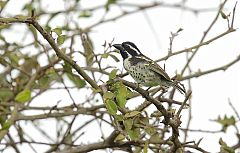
(119, 47)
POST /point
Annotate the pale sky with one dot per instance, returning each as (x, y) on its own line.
(210, 92)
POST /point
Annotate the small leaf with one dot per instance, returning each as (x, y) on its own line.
(131, 114)
(85, 14)
(47, 28)
(105, 55)
(120, 137)
(179, 30)
(58, 31)
(145, 148)
(14, 58)
(111, 106)
(224, 16)
(45, 81)
(6, 125)
(109, 2)
(88, 49)
(23, 96)
(121, 94)
(108, 95)
(113, 74)
(4, 26)
(61, 39)
(128, 123)
(2, 4)
(114, 57)
(28, 7)
(119, 117)
(80, 83)
(226, 122)
(67, 67)
(5, 94)
(150, 130)
(224, 147)
(34, 32)
(155, 138)
(134, 134)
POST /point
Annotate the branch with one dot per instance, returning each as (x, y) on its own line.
(108, 143)
(204, 36)
(51, 41)
(196, 46)
(224, 67)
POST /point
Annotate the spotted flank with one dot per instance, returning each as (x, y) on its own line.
(142, 69)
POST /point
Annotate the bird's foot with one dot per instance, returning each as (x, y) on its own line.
(148, 88)
(164, 90)
(137, 86)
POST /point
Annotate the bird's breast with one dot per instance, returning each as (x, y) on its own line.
(140, 73)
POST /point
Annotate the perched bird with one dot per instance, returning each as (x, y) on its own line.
(144, 71)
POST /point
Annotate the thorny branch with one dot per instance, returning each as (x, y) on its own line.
(166, 121)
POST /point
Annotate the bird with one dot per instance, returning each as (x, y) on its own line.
(144, 70)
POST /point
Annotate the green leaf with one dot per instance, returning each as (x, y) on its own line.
(150, 130)
(45, 81)
(14, 58)
(134, 134)
(34, 32)
(224, 147)
(119, 117)
(85, 14)
(145, 148)
(2, 4)
(114, 57)
(226, 122)
(58, 31)
(28, 7)
(23, 96)
(4, 26)
(120, 137)
(131, 114)
(61, 39)
(109, 2)
(113, 74)
(5, 94)
(121, 94)
(128, 123)
(108, 95)
(88, 49)
(76, 80)
(67, 67)
(155, 138)
(111, 106)
(6, 125)
(224, 16)
(47, 28)
(105, 55)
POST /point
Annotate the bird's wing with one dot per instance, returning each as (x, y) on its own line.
(153, 66)
(156, 68)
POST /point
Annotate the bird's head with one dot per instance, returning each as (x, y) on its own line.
(127, 49)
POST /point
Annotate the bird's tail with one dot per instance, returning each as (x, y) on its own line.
(176, 85)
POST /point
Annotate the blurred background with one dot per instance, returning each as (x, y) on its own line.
(158, 28)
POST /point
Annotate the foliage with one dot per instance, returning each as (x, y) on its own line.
(54, 55)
